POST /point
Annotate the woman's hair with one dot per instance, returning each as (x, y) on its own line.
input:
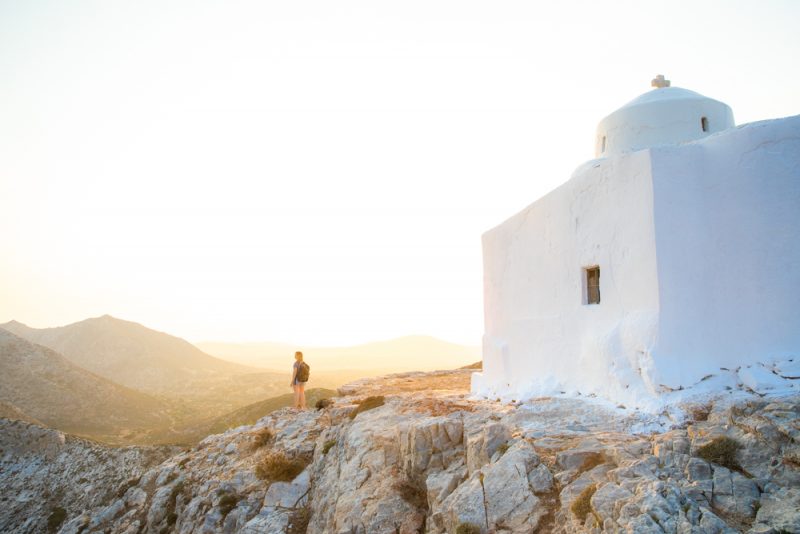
(298, 355)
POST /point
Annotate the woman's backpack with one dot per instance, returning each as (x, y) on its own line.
(303, 370)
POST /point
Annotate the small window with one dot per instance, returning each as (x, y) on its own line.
(704, 123)
(592, 284)
(603, 145)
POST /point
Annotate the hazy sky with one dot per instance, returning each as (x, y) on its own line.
(321, 172)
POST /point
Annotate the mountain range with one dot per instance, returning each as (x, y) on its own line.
(131, 354)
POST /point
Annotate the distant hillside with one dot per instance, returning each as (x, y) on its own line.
(190, 433)
(411, 353)
(131, 354)
(251, 413)
(45, 386)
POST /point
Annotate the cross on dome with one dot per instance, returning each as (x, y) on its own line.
(659, 81)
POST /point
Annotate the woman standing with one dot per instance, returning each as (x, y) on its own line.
(299, 378)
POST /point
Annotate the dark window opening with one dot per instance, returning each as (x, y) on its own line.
(704, 124)
(592, 280)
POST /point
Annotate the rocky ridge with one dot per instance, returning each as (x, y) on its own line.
(47, 476)
(428, 458)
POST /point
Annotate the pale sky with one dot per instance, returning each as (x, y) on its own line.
(321, 172)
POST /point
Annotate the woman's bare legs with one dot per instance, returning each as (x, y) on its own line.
(297, 389)
(301, 396)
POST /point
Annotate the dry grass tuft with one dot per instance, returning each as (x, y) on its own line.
(700, 412)
(328, 445)
(298, 522)
(276, 466)
(367, 404)
(262, 438)
(581, 506)
(792, 459)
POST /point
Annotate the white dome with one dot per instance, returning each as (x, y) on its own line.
(666, 115)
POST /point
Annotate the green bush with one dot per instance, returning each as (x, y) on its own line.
(581, 506)
(721, 451)
(57, 516)
(328, 445)
(278, 467)
(468, 528)
(367, 404)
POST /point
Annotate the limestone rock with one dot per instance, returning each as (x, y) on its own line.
(780, 511)
(427, 461)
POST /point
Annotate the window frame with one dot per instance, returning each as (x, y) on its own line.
(591, 292)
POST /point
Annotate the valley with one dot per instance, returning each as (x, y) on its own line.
(121, 383)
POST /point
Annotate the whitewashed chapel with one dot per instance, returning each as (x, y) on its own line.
(675, 252)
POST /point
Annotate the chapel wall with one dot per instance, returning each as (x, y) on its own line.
(539, 334)
(727, 226)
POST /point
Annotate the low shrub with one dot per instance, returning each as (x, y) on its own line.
(721, 451)
(367, 404)
(581, 506)
(276, 466)
(227, 503)
(468, 528)
(56, 517)
(328, 445)
(323, 403)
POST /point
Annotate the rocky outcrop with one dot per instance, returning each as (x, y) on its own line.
(432, 460)
(48, 476)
